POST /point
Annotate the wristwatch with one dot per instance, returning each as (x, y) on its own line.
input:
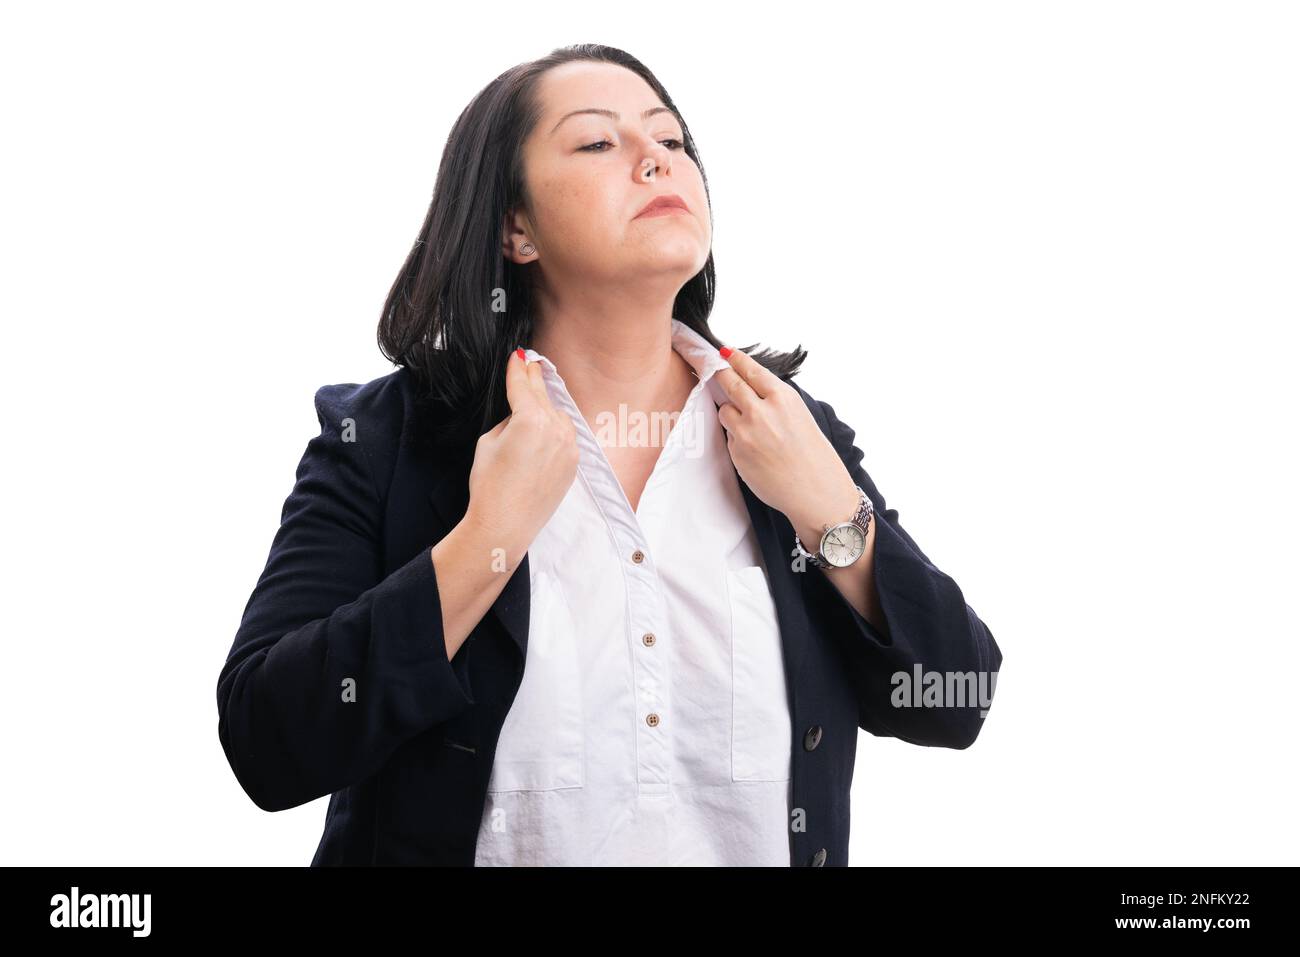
(841, 544)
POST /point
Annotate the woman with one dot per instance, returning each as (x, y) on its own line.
(577, 584)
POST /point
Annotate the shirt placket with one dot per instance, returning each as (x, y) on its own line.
(646, 610)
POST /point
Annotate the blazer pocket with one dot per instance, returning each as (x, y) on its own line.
(542, 745)
(760, 710)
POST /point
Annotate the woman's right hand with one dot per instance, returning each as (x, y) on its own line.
(525, 465)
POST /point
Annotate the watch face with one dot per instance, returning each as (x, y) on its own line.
(844, 544)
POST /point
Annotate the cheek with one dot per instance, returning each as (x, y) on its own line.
(698, 199)
(584, 210)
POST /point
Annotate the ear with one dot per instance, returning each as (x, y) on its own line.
(515, 231)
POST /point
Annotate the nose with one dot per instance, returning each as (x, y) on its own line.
(658, 159)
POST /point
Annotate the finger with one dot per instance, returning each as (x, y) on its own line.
(737, 390)
(729, 416)
(757, 376)
(519, 393)
(537, 382)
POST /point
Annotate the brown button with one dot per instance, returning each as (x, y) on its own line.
(648, 639)
(638, 556)
(652, 719)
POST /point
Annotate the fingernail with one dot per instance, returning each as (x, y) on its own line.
(519, 352)
(724, 352)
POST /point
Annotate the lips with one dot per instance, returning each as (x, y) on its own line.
(668, 201)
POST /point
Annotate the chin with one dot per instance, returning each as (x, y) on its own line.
(684, 256)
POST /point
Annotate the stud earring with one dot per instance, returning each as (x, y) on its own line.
(527, 249)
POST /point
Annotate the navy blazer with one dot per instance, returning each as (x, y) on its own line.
(349, 600)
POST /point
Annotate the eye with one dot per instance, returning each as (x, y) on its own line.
(592, 147)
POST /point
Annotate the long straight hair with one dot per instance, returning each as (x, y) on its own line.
(458, 306)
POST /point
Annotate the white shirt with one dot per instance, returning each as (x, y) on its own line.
(652, 726)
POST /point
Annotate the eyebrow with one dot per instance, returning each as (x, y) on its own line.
(611, 114)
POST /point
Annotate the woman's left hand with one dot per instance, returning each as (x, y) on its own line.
(780, 452)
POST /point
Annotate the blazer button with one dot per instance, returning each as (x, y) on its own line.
(812, 738)
(818, 859)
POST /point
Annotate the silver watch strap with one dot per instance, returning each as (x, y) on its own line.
(861, 518)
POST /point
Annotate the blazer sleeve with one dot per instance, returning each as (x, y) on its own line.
(930, 628)
(333, 665)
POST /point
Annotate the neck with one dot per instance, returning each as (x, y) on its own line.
(618, 356)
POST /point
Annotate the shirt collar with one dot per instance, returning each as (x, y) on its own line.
(703, 357)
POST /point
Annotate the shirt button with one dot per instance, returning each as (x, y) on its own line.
(648, 639)
(652, 719)
(638, 556)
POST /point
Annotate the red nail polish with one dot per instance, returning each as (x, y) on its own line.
(520, 352)
(724, 352)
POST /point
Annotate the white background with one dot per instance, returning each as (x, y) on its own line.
(1044, 257)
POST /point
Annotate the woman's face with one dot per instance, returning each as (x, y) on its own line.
(588, 175)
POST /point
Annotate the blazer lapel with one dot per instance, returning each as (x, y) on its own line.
(449, 497)
(772, 529)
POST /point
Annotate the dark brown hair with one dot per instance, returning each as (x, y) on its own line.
(439, 320)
